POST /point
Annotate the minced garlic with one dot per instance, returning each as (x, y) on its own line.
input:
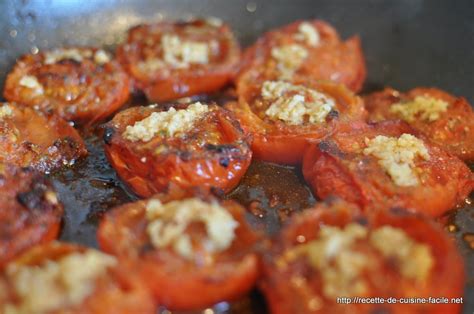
(180, 54)
(57, 55)
(171, 123)
(289, 58)
(5, 111)
(339, 264)
(31, 82)
(413, 259)
(168, 222)
(308, 33)
(342, 262)
(293, 109)
(397, 156)
(426, 108)
(101, 57)
(56, 284)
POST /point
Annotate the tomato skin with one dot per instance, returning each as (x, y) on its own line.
(171, 83)
(121, 292)
(179, 284)
(84, 91)
(333, 59)
(453, 131)
(218, 166)
(43, 141)
(297, 289)
(276, 141)
(30, 213)
(336, 166)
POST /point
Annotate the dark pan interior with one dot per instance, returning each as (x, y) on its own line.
(407, 43)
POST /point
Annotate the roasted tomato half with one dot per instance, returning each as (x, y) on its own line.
(443, 118)
(80, 84)
(193, 250)
(331, 260)
(30, 212)
(170, 60)
(387, 164)
(65, 278)
(190, 145)
(283, 116)
(307, 49)
(31, 138)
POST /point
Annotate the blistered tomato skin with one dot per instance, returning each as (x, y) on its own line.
(214, 153)
(170, 60)
(118, 289)
(30, 212)
(43, 141)
(293, 282)
(339, 166)
(180, 283)
(277, 141)
(328, 58)
(84, 85)
(452, 127)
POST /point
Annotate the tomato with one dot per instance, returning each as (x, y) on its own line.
(170, 60)
(210, 151)
(331, 253)
(278, 138)
(80, 84)
(204, 276)
(58, 284)
(433, 183)
(304, 49)
(451, 128)
(30, 212)
(44, 141)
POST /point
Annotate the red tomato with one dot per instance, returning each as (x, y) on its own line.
(332, 252)
(30, 212)
(339, 166)
(116, 290)
(304, 49)
(43, 141)
(80, 84)
(178, 282)
(283, 141)
(171, 60)
(451, 128)
(211, 152)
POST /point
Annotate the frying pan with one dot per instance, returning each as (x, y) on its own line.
(407, 43)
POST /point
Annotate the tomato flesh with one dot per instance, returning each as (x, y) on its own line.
(215, 153)
(292, 284)
(277, 141)
(30, 212)
(338, 166)
(44, 141)
(453, 130)
(146, 56)
(119, 291)
(330, 59)
(72, 82)
(176, 282)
